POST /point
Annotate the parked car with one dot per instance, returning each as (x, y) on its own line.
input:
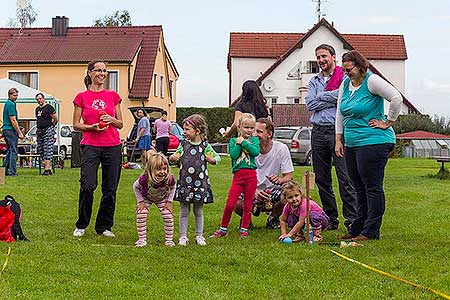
(153, 113)
(298, 140)
(65, 141)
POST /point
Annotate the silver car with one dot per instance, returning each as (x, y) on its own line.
(298, 140)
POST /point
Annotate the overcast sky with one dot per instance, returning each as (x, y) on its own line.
(197, 35)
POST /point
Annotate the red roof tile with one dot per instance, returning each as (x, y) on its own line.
(274, 45)
(421, 135)
(265, 45)
(83, 44)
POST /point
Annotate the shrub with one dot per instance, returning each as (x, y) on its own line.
(216, 117)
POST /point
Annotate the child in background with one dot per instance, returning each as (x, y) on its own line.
(155, 186)
(294, 214)
(193, 182)
(243, 151)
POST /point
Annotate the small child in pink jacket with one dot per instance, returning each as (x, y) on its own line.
(155, 186)
(294, 214)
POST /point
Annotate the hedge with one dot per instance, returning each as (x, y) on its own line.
(216, 118)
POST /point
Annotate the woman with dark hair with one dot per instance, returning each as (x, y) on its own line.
(163, 130)
(251, 101)
(102, 117)
(46, 120)
(369, 138)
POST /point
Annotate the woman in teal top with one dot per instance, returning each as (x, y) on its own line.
(368, 137)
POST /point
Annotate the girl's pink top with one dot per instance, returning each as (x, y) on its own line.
(162, 128)
(301, 210)
(92, 104)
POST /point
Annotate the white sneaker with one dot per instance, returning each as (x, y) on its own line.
(183, 241)
(78, 232)
(170, 244)
(140, 243)
(108, 234)
(200, 240)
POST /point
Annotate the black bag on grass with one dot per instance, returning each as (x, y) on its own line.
(16, 230)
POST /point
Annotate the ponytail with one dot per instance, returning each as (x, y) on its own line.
(87, 81)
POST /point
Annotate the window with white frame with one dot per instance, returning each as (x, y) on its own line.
(30, 79)
(112, 81)
(171, 88)
(273, 100)
(161, 90)
(155, 85)
(312, 67)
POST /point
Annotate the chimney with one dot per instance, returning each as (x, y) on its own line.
(60, 25)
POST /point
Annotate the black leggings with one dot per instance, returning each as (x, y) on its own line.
(162, 144)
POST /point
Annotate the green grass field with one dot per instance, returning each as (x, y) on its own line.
(414, 244)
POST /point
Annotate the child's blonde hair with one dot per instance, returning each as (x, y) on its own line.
(197, 122)
(290, 186)
(246, 116)
(155, 160)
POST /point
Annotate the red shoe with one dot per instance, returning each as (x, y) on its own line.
(243, 234)
(219, 233)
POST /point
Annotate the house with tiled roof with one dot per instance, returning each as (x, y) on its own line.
(283, 63)
(54, 60)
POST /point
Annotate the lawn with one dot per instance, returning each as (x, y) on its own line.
(414, 244)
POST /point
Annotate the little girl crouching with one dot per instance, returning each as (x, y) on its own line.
(294, 214)
(155, 186)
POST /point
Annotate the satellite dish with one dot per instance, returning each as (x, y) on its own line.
(269, 85)
(21, 4)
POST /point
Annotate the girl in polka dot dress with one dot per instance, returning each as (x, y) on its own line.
(193, 183)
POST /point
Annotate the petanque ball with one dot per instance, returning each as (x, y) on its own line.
(287, 241)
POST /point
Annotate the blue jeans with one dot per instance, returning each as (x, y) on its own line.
(323, 155)
(365, 166)
(10, 161)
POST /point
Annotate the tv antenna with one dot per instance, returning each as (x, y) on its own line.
(319, 12)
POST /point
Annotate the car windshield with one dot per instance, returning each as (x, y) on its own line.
(284, 133)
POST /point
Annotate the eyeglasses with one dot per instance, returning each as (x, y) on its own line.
(100, 70)
(348, 70)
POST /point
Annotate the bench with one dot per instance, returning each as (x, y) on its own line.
(442, 160)
(35, 156)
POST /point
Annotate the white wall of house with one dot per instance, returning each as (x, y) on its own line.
(243, 69)
(393, 70)
(287, 89)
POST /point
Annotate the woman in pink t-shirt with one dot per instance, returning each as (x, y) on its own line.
(163, 129)
(102, 118)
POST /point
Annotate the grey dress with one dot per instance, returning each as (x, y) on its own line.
(193, 184)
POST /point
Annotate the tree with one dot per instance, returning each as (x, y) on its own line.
(412, 122)
(118, 19)
(25, 16)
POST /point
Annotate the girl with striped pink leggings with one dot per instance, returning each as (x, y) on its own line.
(155, 186)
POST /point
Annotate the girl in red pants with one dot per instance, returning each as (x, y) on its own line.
(243, 151)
